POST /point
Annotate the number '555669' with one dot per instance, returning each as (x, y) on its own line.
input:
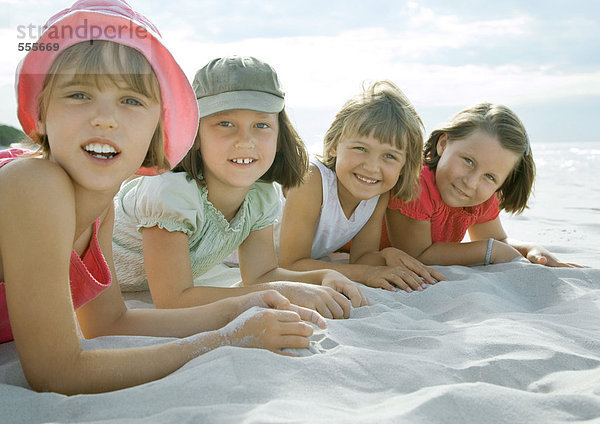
(38, 46)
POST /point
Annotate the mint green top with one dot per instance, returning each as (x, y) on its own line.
(174, 202)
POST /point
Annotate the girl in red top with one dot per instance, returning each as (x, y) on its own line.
(100, 110)
(476, 165)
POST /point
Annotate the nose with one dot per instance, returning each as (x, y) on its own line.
(104, 117)
(470, 180)
(244, 139)
(371, 163)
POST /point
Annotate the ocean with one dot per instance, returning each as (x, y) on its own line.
(564, 212)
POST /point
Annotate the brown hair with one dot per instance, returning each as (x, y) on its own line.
(383, 111)
(288, 169)
(102, 62)
(501, 122)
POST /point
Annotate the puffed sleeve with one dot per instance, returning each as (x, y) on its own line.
(423, 207)
(264, 204)
(170, 201)
(489, 210)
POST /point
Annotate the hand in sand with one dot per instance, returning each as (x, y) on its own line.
(393, 277)
(342, 284)
(328, 301)
(273, 329)
(541, 256)
(398, 258)
(274, 300)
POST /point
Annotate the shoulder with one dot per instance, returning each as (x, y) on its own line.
(428, 202)
(263, 192)
(168, 188)
(319, 171)
(311, 190)
(30, 186)
(39, 179)
(169, 182)
(489, 209)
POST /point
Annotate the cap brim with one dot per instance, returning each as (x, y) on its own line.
(247, 100)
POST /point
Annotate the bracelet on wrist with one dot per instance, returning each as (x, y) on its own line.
(488, 252)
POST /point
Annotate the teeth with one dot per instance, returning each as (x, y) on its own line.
(99, 148)
(366, 180)
(243, 161)
(101, 151)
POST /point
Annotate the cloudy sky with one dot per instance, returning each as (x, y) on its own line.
(539, 57)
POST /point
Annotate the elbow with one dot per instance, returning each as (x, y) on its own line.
(42, 385)
(292, 265)
(181, 299)
(57, 379)
(168, 303)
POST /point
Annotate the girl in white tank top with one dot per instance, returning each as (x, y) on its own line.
(372, 150)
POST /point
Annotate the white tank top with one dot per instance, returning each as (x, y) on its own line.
(333, 229)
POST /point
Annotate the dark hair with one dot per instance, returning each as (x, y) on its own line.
(288, 169)
(501, 122)
(383, 111)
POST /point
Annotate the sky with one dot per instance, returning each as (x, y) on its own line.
(541, 58)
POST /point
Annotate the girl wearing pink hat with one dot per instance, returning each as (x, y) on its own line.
(100, 110)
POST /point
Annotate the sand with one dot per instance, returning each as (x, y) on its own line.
(505, 343)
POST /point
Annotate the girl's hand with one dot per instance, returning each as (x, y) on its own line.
(398, 258)
(541, 256)
(325, 300)
(391, 277)
(275, 300)
(269, 329)
(349, 289)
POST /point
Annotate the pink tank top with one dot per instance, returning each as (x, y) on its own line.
(89, 274)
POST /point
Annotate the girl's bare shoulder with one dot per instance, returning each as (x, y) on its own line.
(313, 179)
(30, 181)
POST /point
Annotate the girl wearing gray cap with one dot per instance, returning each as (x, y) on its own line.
(173, 228)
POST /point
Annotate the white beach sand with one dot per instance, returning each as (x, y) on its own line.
(507, 343)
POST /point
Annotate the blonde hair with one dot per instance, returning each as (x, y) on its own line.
(384, 112)
(289, 167)
(501, 122)
(102, 62)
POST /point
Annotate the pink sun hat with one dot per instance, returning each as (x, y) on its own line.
(112, 20)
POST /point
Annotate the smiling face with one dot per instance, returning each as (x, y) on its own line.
(472, 169)
(365, 167)
(98, 133)
(237, 147)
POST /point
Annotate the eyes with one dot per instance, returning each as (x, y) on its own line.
(78, 96)
(469, 162)
(388, 156)
(229, 124)
(127, 100)
(132, 102)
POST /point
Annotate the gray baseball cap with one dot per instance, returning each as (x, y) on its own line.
(237, 82)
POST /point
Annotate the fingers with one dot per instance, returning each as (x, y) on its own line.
(309, 315)
(382, 283)
(274, 299)
(355, 294)
(408, 280)
(336, 304)
(349, 291)
(425, 275)
(436, 274)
